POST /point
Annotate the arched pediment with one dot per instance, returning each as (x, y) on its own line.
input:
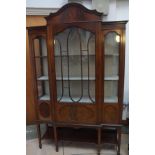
(74, 12)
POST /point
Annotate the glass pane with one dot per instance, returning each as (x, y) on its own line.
(111, 74)
(59, 90)
(111, 43)
(43, 90)
(41, 65)
(110, 91)
(75, 65)
(111, 66)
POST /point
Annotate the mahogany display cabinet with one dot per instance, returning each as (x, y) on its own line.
(78, 71)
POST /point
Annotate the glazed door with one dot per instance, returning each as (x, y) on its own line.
(113, 62)
(75, 73)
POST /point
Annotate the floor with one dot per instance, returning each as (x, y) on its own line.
(72, 148)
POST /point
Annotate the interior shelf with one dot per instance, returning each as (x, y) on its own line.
(67, 99)
(83, 54)
(110, 78)
(78, 78)
(75, 78)
(44, 97)
(41, 56)
(111, 99)
(111, 54)
(43, 78)
(83, 100)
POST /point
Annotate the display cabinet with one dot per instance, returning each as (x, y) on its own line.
(78, 70)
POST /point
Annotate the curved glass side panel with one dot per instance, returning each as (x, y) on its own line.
(111, 71)
(41, 67)
(75, 66)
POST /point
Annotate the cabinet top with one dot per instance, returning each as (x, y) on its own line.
(74, 12)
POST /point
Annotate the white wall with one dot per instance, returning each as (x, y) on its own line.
(45, 3)
(122, 9)
(118, 10)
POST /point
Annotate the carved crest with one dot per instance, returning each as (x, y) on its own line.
(74, 12)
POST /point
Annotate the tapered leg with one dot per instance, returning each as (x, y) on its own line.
(47, 129)
(55, 138)
(39, 135)
(118, 139)
(99, 140)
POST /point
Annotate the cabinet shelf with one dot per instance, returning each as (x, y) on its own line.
(111, 99)
(74, 55)
(67, 99)
(110, 78)
(83, 100)
(75, 78)
(40, 57)
(43, 78)
(112, 54)
(44, 97)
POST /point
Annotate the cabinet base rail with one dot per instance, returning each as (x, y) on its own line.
(98, 135)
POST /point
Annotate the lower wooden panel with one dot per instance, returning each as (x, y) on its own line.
(110, 113)
(44, 110)
(76, 113)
